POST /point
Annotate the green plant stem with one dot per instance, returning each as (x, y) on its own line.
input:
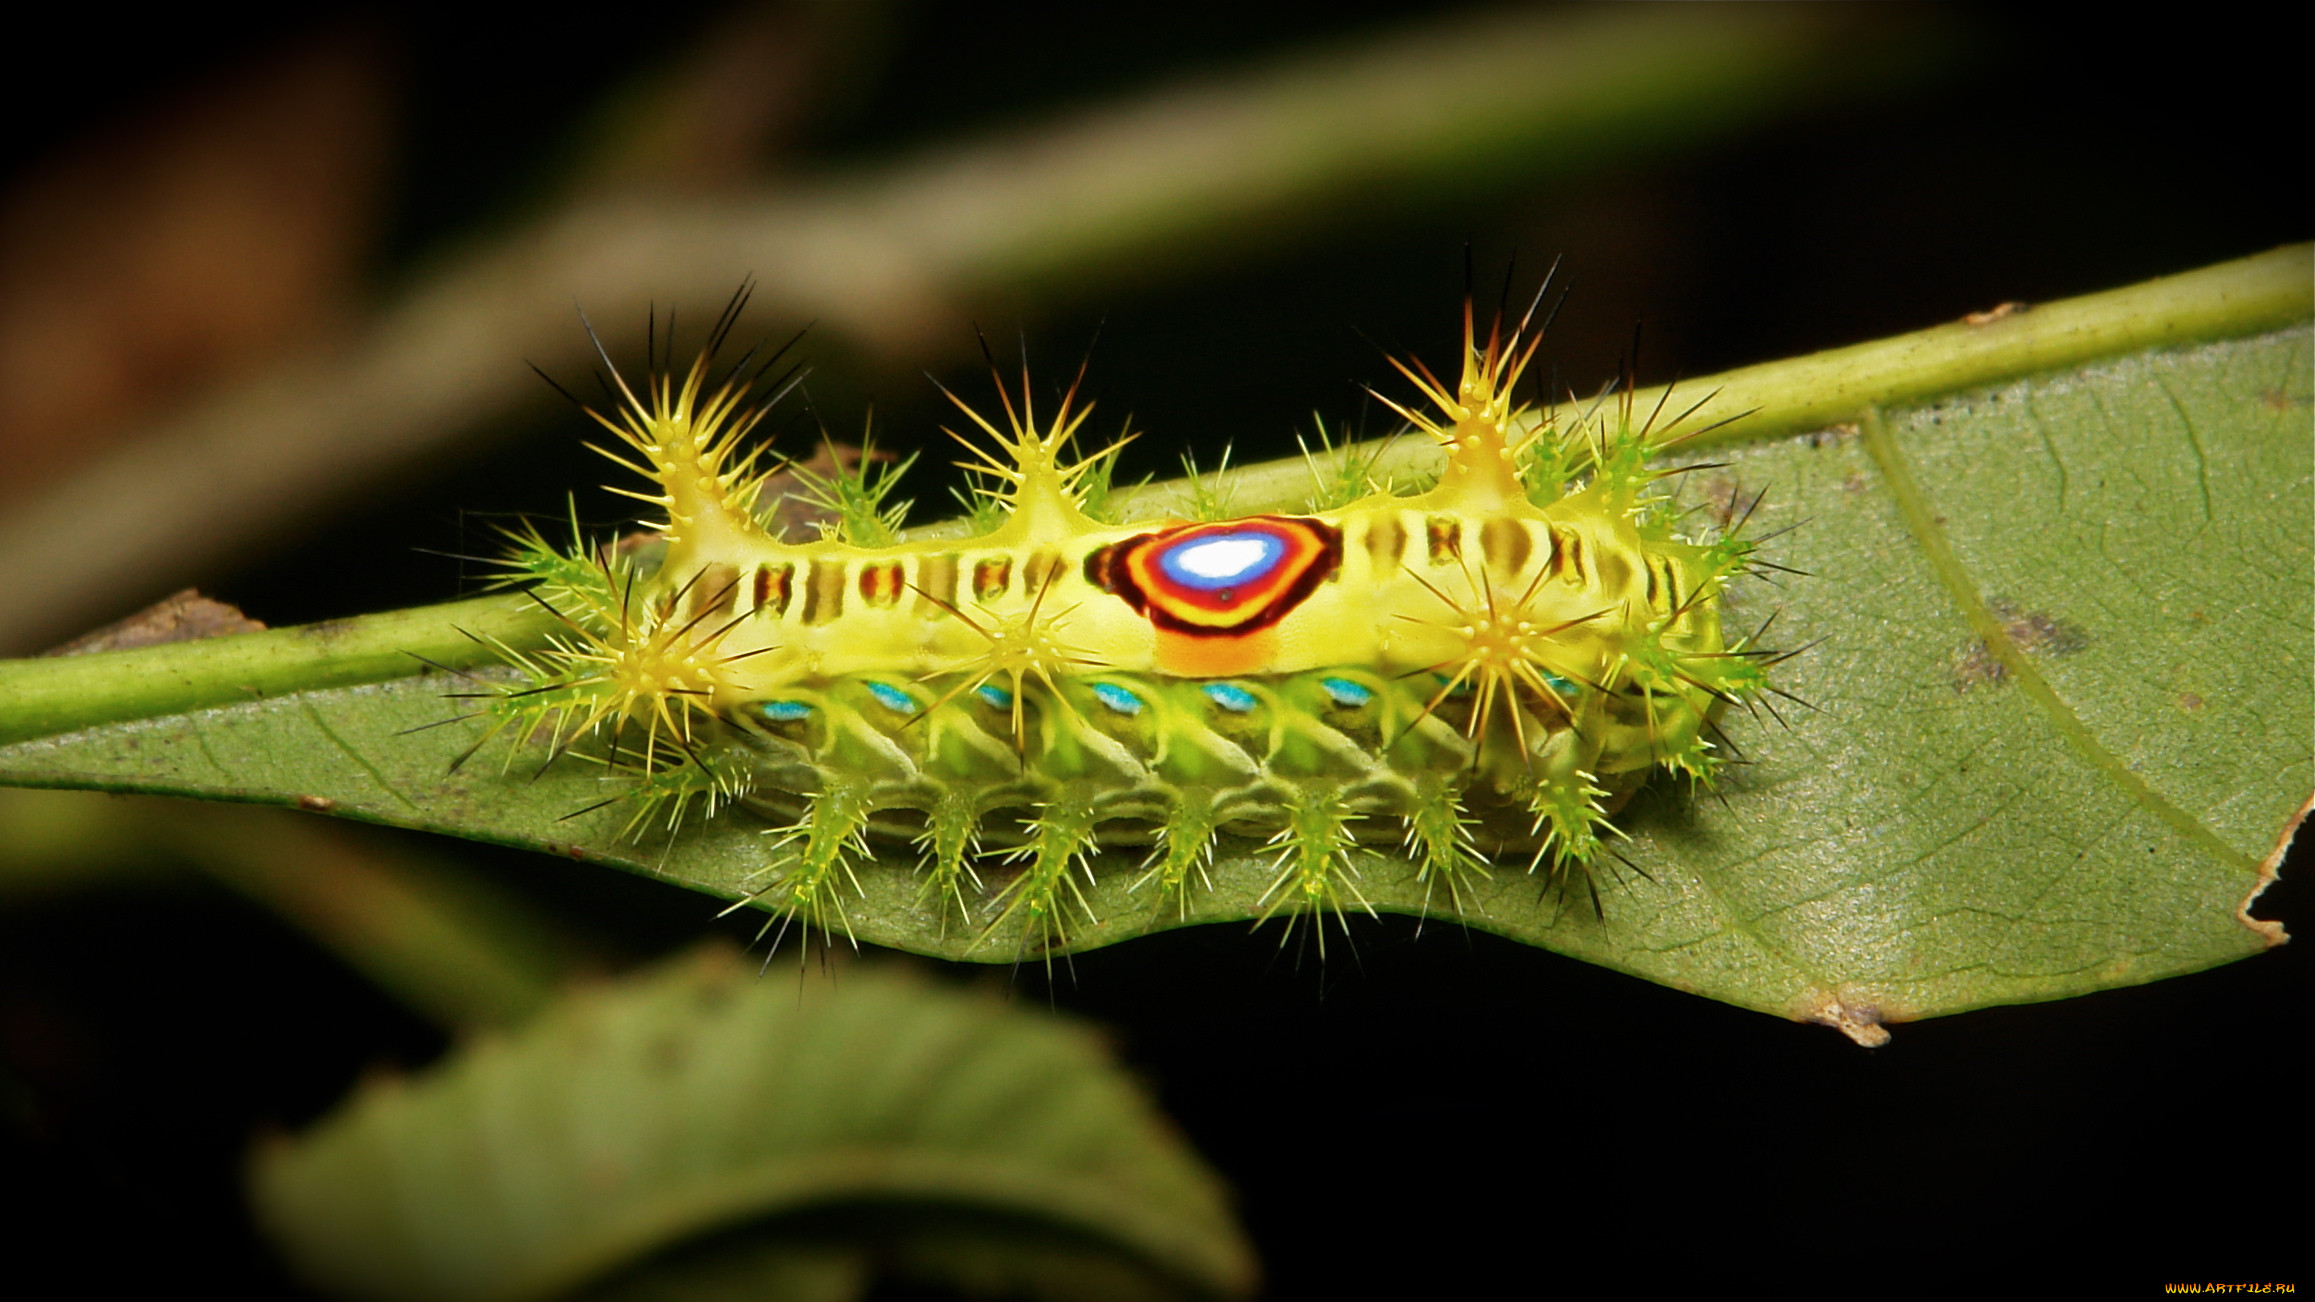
(2245, 297)
(43, 697)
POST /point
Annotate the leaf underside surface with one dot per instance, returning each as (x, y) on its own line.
(693, 1131)
(2056, 727)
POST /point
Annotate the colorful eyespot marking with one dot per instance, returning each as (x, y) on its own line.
(1222, 562)
(1345, 693)
(785, 711)
(993, 696)
(892, 698)
(1219, 580)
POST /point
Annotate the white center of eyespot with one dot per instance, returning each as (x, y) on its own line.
(1222, 558)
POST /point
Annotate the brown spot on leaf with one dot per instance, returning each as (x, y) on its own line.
(316, 804)
(2189, 702)
(2036, 633)
(1976, 663)
(1831, 435)
(2030, 631)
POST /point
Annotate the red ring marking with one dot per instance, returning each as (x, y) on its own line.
(1133, 569)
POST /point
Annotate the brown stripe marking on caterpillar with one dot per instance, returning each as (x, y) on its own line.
(1567, 556)
(1386, 541)
(1444, 533)
(1035, 571)
(774, 585)
(1506, 543)
(1663, 585)
(936, 584)
(991, 577)
(881, 583)
(823, 592)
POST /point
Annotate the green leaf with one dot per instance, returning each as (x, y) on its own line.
(701, 1131)
(2058, 693)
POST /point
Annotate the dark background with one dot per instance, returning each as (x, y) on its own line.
(1428, 1110)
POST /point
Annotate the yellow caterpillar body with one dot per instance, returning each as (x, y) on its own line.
(1495, 662)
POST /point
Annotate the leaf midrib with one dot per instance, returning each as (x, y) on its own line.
(1955, 577)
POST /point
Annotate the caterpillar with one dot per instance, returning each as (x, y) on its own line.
(1487, 667)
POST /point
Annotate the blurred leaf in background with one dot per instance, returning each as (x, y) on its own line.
(695, 1131)
(174, 252)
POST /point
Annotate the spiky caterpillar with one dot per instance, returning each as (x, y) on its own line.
(1493, 664)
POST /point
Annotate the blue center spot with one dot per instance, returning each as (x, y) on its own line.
(1345, 693)
(993, 696)
(892, 698)
(1564, 687)
(1217, 561)
(785, 711)
(1117, 698)
(1231, 697)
